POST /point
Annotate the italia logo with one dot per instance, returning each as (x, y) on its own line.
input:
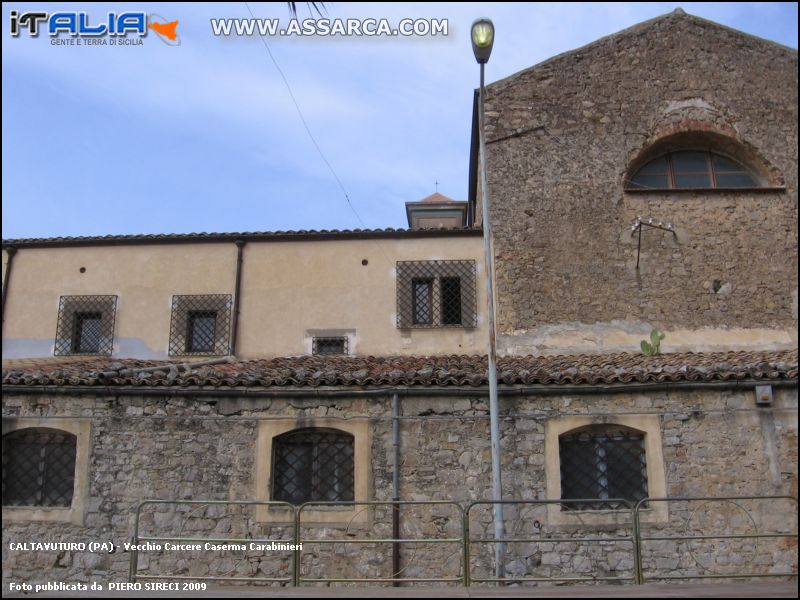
(79, 24)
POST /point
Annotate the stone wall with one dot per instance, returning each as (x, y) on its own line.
(562, 138)
(712, 442)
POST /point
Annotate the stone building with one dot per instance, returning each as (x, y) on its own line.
(646, 181)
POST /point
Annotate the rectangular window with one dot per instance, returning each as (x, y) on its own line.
(85, 325)
(200, 336)
(451, 300)
(423, 301)
(200, 325)
(329, 345)
(87, 337)
(439, 293)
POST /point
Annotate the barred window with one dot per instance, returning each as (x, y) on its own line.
(200, 325)
(313, 464)
(85, 325)
(329, 345)
(602, 462)
(438, 293)
(38, 467)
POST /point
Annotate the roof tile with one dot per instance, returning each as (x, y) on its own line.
(428, 371)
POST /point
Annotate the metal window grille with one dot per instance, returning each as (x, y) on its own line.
(85, 325)
(601, 462)
(38, 467)
(200, 325)
(329, 345)
(438, 293)
(313, 465)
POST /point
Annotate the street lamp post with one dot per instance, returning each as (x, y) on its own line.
(482, 42)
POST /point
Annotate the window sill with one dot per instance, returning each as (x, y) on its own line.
(42, 514)
(749, 190)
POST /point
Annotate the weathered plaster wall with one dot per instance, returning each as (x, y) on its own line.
(288, 289)
(712, 443)
(562, 137)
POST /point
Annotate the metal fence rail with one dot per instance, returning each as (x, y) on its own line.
(468, 540)
(395, 505)
(134, 575)
(291, 516)
(641, 578)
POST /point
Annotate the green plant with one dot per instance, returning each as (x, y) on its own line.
(653, 347)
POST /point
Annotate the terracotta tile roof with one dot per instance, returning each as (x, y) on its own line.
(433, 371)
(436, 198)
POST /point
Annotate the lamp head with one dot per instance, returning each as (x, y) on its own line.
(482, 39)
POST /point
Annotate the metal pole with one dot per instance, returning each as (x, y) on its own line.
(396, 487)
(494, 418)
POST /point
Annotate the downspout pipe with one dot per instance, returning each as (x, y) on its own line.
(237, 294)
(10, 252)
(396, 487)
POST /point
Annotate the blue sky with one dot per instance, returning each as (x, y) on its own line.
(204, 137)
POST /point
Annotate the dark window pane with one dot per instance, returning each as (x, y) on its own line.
(690, 162)
(200, 336)
(657, 182)
(313, 465)
(422, 290)
(726, 165)
(38, 467)
(697, 180)
(329, 345)
(735, 180)
(655, 167)
(88, 333)
(451, 300)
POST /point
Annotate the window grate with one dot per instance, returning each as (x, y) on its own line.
(38, 467)
(329, 345)
(602, 463)
(200, 325)
(313, 465)
(439, 293)
(85, 325)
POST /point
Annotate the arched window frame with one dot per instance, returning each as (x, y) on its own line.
(711, 169)
(649, 425)
(339, 516)
(75, 513)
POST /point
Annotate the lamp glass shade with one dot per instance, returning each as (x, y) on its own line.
(482, 39)
(482, 33)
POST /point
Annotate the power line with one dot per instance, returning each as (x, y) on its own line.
(305, 123)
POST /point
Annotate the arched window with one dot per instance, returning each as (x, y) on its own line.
(692, 169)
(313, 464)
(601, 462)
(38, 467)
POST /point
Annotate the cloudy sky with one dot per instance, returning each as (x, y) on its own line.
(205, 137)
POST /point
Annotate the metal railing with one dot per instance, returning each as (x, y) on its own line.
(640, 574)
(133, 573)
(395, 505)
(291, 516)
(468, 541)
